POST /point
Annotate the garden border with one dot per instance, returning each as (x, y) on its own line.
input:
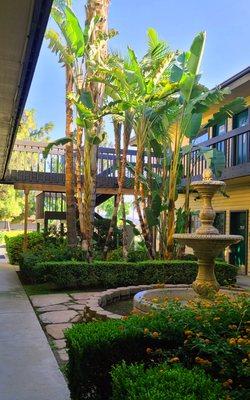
(94, 306)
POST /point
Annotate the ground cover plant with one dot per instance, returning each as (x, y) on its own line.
(161, 382)
(212, 336)
(106, 274)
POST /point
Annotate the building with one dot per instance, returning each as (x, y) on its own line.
(232, 136)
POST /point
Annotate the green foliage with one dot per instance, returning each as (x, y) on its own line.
(130, 382)
(134, 255)
(51, 250)
(14, 245)
(197, 334)
(81, 275)
(228, 110)
(108, 206)
(58, 142)
(10, 203)
(8, 234)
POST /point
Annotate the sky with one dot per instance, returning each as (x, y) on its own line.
(177, 21)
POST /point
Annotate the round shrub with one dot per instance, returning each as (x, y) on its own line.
(162, 382)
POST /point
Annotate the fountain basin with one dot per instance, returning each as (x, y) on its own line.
(207, 245)
(206, 248)
(157, 299)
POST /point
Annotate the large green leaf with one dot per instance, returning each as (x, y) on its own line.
(58, 142)
(156, 204)
(215, 160)
(86, 99)
(196, 53)
(73, 32)
(228, 110)
(176, 73)
(193, 126)
(56, 46)
(151, 218)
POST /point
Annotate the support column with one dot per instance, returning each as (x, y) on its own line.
(26, 212)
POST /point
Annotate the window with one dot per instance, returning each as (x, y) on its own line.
(203, 137)
(240, 119)
(220, 128)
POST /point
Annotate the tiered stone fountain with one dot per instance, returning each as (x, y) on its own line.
(207, 244)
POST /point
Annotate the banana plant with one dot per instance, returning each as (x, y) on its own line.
(139, 86)
(192, 101)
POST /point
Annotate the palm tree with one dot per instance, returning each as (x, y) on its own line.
(66, 57)
(96, 10)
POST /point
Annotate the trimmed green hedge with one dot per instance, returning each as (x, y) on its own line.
(130, 382)
(79, 275)
(14, 245)
(197, 335)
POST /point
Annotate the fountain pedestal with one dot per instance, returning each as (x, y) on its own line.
(206, 242)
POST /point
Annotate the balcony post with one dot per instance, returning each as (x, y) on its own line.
(26, 212)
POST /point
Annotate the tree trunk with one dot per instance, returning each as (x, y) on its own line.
(93, 8)
(69, 166)
(171, 211)
(113, 222)
(144, 228)
(79, 177)
(124, 231)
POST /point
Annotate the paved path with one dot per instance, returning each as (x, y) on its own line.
(243, 281)
(28, 368)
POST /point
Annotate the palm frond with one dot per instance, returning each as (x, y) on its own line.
(56, 45)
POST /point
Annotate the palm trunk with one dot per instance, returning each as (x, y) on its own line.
(79, 177)
(137, 194)
(69, 166)
(171, 204)
(141, 138)
(124, 231)
(113, 222)
(93, 8)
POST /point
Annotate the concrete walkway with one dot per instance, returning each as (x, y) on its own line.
(28, 368)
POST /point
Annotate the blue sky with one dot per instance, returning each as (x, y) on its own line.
(177, 21)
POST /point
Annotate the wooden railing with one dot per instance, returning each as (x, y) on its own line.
(28, 162)
(234, 144)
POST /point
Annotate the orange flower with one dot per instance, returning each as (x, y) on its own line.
(216, 318)
(203, 361)
(232, 341)
(155, 335)
(188, 333)
(146, 330)
(233, 327)
(174, 360)
(242, 341)
(198, 317)
(228, 383)
(149, 350)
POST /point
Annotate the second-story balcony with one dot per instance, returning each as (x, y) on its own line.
(236, 147)
(29, 166)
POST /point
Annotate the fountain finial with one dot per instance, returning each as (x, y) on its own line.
(207, 174)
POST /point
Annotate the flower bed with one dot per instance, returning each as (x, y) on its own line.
(211, 337)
